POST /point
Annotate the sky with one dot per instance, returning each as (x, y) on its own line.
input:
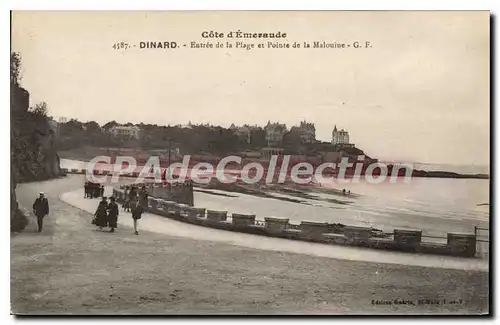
(420, 93)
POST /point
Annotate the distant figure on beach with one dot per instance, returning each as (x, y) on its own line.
(190, 196)
(101, 191)
(40, 209)
(343, 191)
(137, 211)
(113, 212)
(101, 215)
(349, 192)
(86, 190)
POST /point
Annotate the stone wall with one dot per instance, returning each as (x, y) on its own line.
(182, 194)
(399, 240)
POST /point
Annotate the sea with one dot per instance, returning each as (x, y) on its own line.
(437, 206)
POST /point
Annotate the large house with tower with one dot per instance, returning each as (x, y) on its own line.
(340, 138)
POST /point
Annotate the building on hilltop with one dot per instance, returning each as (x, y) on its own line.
(274, 133)
(341, 138)
(306, 132)
(125, 132)
(244, 133)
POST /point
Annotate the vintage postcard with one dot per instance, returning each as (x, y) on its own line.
(250, 162)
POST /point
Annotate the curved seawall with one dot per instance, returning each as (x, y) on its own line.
(170, 227)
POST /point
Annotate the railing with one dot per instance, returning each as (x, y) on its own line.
(477, 233)
(482, 240)
(293, 226)
(261, 223)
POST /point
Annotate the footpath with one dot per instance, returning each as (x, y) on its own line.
(162, 225)
(70, 268)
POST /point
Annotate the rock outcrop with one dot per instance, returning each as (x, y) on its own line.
(33, 153)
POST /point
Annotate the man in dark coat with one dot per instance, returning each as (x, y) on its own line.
(133, 192)
(86, 187)
(101, 215)
(92, 190)
(137, 211)
(143, 197)
(126, 205)
(40, 209)
(142, 192)
(113, 212)
(132, 196)
(96, 190)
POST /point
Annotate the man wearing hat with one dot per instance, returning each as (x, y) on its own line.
(41, 209)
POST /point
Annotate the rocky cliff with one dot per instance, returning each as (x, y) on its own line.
(33, 154)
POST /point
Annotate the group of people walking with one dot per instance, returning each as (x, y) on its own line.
(93, 190)
(132, 194)
(106, 214)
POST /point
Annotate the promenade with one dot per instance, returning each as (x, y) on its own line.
(171, 269)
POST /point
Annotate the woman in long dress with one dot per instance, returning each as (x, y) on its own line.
(113, 212)
(101, 214)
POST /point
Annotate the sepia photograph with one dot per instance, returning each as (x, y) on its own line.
(250, 163)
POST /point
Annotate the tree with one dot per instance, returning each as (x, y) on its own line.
(74, 125)
(92, 126)
(40, 109)
(93, 133)
(258, 137)
(292, 138)
(15, 68)
(109, 125)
